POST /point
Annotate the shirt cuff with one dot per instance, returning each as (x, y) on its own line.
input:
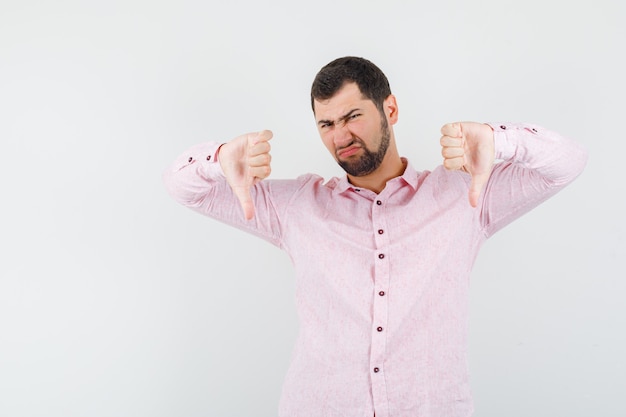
(204, 157)
(507, 135)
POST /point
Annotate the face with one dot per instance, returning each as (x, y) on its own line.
(353, 130)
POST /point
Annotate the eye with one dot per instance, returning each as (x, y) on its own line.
(354, 116)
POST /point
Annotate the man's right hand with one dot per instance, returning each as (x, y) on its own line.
(245, 161)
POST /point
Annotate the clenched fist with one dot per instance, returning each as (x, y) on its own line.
(245, 161)
(469, 146)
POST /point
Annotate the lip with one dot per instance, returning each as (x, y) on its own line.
(349, 151)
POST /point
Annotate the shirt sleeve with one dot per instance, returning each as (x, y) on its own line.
(535, 163)
(196, 180)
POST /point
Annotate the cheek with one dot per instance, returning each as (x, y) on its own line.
(363, 130)
(328, 143)
(330, 146)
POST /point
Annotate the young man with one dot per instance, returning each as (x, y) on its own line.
(382, 255)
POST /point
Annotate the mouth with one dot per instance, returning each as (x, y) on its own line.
(348, 151)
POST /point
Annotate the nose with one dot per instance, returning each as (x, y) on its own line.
(342, 135)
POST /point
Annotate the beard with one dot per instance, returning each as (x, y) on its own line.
(370, 160)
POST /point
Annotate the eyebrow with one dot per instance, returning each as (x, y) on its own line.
(342, 118)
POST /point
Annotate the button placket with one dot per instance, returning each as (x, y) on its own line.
(380, 310)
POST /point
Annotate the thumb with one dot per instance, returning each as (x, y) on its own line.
(242, 192)
(476, 187)
(245, 199)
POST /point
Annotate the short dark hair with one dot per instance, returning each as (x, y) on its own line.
(371, 81)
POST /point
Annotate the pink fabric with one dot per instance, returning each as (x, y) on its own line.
(382, 280)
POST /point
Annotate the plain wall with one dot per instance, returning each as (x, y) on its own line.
(116, 301)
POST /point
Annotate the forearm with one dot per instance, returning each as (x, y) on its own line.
(556, 159)
(536, 164)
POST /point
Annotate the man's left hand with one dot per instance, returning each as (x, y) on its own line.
(469, 146)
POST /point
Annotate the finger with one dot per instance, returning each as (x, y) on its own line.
(262, 136)
(454, 163)
(452, 129)
(260, 172)
(452, 152)
(259, 160)
(476, 187)
(259, 148)
(451, 141)
(245, 199)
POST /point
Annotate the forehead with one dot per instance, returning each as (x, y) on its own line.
(349, 97)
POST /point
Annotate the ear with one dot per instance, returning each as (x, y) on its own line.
(390, 106)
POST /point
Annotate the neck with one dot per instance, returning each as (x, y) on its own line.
(392, 166)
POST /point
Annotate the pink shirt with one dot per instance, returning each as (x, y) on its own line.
(382, 280)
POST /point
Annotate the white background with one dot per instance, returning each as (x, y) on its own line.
(116, 301)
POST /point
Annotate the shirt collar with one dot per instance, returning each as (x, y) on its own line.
(409, 177)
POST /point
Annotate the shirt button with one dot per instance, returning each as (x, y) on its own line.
(381, 255)
(503, 127)
(190, 159)
(381, 231)
(381, 293)
(380, 329)
(208, 158)
(379, 202)
(376, 369)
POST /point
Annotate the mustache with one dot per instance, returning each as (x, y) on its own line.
(354, 141)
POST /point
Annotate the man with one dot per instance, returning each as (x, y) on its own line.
(382, 255)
